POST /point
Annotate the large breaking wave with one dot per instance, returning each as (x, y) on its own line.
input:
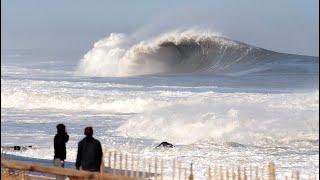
(188, 51)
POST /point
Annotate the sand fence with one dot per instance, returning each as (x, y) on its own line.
(118, 165)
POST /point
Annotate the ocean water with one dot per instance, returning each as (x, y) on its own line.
(220, 102)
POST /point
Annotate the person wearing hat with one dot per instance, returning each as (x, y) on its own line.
(89, 154)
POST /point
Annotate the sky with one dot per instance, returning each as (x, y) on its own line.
(290, 26)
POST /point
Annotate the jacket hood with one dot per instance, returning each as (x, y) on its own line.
(61, 128)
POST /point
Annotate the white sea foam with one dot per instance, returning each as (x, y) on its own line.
(32, 100)
(176, 114)
(237, 117)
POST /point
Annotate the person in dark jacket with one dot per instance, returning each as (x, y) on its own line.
(60, 140)
(89, 155)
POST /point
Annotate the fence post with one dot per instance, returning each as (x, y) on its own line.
(257, 172)
(272, 171)
(143, 168)
(245, 173)
(138, 166)
(161, 173)
(126, 165)
(227, 173)
(233, 174)
(115, 162)
(191, 172)
(132, 164)
(262, 170)
(149, 168)
(209, 173)
(155, 167)
(109, 162)
(298, 175)
(173, 169)
(215, 173)
(179, 170)
(239, 173)
(120, 159)
(250, 173)
(185, 173)
(102, 167)
(221, 173)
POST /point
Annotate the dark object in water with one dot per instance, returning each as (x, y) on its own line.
(234, 144)
(15, 148)
(165, 144)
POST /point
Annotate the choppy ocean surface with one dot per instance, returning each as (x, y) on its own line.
(221, 102)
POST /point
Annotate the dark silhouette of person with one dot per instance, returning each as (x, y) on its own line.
(60, 140)
(89, 155)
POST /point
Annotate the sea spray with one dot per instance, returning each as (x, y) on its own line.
(188, 51)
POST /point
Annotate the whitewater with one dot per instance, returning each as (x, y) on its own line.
(220, 101)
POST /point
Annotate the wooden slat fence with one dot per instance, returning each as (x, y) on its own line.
(118, 165)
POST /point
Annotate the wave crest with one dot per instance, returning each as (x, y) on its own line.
(180, 52)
